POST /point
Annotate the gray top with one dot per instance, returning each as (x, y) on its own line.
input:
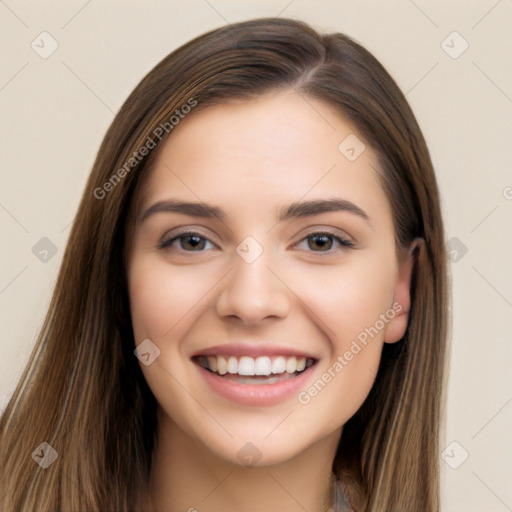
(340, 501)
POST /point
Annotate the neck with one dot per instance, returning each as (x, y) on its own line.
(186, 476)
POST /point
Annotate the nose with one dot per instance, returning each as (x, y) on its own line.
(252, 292)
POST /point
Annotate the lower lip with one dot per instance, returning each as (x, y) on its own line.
(256, 394)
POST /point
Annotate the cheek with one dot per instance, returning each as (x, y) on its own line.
(347, 298)
(162, 300)
(160, 296)
(349, 302)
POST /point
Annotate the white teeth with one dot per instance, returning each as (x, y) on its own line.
(291, 365)
(279, 365)
(222, 365)
(246, 366)
(251, 366)
(212, 363)
(232, 365)
(262, 366)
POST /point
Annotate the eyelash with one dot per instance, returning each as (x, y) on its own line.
(344, 243)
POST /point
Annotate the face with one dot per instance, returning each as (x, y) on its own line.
(270, 306)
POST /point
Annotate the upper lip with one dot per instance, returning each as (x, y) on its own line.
(252, 349)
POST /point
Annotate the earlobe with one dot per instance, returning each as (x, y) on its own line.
(401, 304)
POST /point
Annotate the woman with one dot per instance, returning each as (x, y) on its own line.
(251, 312)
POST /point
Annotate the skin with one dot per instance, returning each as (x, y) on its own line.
(251, 158)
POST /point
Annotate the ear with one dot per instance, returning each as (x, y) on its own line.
(402, 295)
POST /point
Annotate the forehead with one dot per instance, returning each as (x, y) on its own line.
(275, 149)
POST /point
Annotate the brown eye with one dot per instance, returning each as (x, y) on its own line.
(192, 242)
(325, 242)
(188, 242)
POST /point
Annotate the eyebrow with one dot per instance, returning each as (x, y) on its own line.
(294, 210)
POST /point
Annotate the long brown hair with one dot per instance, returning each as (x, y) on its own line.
(83, 392)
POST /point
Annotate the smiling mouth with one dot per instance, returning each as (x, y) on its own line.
(255, 370)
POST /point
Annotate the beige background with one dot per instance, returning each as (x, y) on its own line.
(55, 112)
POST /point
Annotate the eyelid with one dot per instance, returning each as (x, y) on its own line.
(332, 231)
(184, 231)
